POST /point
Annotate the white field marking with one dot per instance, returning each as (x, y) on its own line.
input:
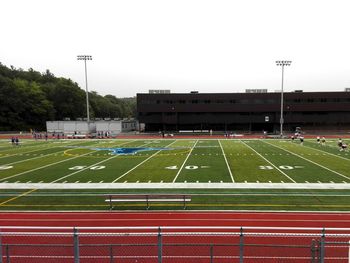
(325, 153)
(182, 166)
(21, 161)
(140, 163)
(34, 154)
(88, 167)
(228, 167)
(41, 167)
(48, 165)
(324, 167)
(269, 162)
(101, 182)
(89, 182)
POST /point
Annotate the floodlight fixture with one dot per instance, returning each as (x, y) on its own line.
(282, 63)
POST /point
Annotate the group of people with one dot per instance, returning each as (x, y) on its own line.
(322, 141)
(38, 135)
(342, 146)
(300, 137)
(14, 141)
(102, 134)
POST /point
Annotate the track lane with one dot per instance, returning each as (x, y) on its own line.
(130, 219)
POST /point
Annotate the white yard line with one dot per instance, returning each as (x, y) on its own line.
(48, 165)
(92, 165)
(21, 153)
(324, 167)
(185, 161)
(41, 167)
(327, 153)
(228, 167)
(141, 163)
(269, 162)
(86, 168)
(40, 156)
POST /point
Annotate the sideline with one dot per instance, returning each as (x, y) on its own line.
(170, 185)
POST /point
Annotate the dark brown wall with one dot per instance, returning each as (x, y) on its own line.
(243, 109)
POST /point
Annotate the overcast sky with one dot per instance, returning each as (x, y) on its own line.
(181, 45)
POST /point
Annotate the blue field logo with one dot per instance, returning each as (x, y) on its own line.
(123, 151)
(131, 151)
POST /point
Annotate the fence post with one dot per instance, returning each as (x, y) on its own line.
(160, 246)
(322, 249)
(211, 253)
(313, 251)
(0, 248)
(111, 254)
(76, 245)
(241, 246)
(7, 254)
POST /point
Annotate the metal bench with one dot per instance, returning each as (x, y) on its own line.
(147, 199)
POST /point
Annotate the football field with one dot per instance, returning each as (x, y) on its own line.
(220, 174)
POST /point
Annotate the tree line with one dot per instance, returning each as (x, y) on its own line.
(29, 98)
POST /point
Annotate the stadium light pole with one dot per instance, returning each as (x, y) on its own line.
(282, 63)
(85, 58)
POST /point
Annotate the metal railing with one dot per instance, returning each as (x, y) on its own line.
(173, 244)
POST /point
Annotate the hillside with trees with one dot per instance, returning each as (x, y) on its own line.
(29, 98)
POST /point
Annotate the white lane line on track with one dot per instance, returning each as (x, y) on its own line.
(141, 163)
(269, 162)
(185, 161)
(324, 167)
(172, 219)
(228, 167)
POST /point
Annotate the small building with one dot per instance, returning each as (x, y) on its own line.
(113, 127)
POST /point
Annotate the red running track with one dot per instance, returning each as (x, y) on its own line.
(129, 219)
(260, 248)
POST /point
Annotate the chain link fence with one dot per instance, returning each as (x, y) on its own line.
(173, 245)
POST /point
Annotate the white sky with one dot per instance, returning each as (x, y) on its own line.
(181, 45)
